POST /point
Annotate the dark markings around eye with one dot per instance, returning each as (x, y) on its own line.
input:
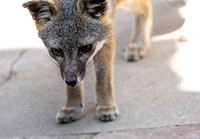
(57, 52)
(85, 49)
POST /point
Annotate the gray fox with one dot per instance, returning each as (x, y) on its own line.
(77, 32)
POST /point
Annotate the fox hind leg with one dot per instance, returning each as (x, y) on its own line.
(140, 41)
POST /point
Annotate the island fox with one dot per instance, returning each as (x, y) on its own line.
(77, 32)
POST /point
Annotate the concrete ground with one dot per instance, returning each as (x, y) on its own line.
(161, 90)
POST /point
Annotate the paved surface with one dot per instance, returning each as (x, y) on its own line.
(160, 90)
(170, 132)
(173, 132)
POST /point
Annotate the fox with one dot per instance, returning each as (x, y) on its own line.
(77, 33)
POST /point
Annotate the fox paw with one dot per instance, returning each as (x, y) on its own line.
(135, 52)
(107, 113)
(68, 114)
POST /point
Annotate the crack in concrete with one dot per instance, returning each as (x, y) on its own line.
(14, 62)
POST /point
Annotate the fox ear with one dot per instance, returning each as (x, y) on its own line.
(93, 8)
(41, 10)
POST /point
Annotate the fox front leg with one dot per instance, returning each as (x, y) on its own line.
(106, 107)
(74, 105)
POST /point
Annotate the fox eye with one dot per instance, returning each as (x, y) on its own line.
(57, 52)
(85, 49)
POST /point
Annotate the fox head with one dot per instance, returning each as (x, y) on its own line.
(73, 32)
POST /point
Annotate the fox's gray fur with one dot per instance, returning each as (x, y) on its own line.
(77, 31)
(68, 31)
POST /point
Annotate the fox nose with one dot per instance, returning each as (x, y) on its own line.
(71, 81)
